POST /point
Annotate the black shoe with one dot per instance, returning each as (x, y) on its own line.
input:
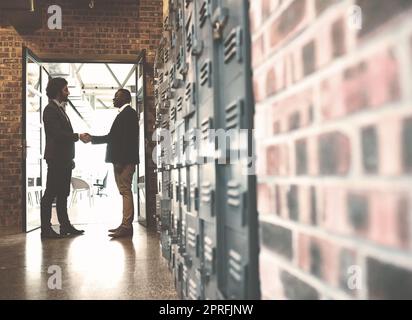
(50, 234)
(70, 230)
(122, 233)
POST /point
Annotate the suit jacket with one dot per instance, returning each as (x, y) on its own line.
(123, 138)
(60, 137)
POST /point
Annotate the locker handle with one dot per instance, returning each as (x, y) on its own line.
(197, 245)
(219, 20)
(188, 259)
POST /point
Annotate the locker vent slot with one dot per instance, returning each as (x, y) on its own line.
(190, 92)
(205, 127)
(204, 12)
(192, 290)
(173, 113)
(206, 192)
(205, 73)
(172, 74)
(191, 237)
(166, 56)
(179, 103)
(209, 249)
(233, 113)
(234, 194)
(235, 265)
(232, 45)
(179, 58)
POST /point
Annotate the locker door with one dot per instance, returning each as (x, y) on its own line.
(209, 260)
(192, 258)
(237, 228)
(207, 193)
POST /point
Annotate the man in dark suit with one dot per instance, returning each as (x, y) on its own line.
(59, 155)
(122, 150)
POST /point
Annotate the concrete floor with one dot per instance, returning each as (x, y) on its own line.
(92, 266)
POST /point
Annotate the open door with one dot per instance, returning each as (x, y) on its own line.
(32, 144)
(141, 168)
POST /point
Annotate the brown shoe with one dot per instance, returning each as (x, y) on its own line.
(114, 230)
(122, 233)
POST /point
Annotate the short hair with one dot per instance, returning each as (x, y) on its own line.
(55, 86)
(126, 94)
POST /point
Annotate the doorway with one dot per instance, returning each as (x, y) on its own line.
(94, 197)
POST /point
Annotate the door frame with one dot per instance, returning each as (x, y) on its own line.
(142, 62)
(26, 52)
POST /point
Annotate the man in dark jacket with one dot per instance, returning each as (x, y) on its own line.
(59, 155)
(122, 151)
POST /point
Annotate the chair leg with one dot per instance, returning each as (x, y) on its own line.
(90, 198)
(73, 197)
(29, 199)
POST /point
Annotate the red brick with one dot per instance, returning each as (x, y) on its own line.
(333, 210)
(257, 51)
(389, 133)
(265, 199)
(368, 84)
(277, 158)
(334, 154)
(390, 220)
(290, 21)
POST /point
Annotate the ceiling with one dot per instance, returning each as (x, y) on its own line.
(92, 86)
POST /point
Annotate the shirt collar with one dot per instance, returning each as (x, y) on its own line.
(60, 104)
(123, 107)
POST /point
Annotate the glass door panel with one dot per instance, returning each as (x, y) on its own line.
(140, 79)
(33, 142)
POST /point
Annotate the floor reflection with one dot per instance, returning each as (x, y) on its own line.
(92, 266)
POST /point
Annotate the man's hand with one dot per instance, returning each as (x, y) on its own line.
(85, 137)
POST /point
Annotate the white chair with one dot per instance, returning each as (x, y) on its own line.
(80, 185)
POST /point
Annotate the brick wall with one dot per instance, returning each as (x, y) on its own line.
(122, 28)
(334, 132)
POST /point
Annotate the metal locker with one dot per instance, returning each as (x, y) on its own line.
(165, 214)
(191, 258)
(206, 56)
(234, 266)
(182, 235)
(207, 190)
(189, 102)
(184, 201)
(192, 139)
(179, 144)
(165, 243)
(176, 217)
(206, 134)
(233, 188)
(231, 32)
(236, 221)
(193, 205)
(178, 275)
(165, 185)
(210, 234)
(208, 260)
(172, 147)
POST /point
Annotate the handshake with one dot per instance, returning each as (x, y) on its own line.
(85, 137)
